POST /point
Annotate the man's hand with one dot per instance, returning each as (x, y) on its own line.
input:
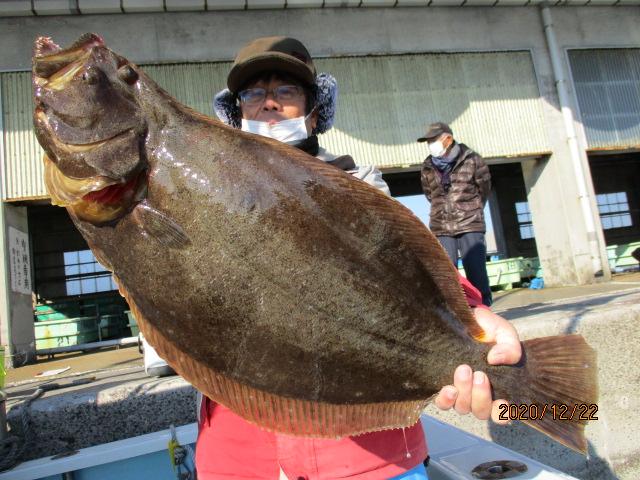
(471, 391)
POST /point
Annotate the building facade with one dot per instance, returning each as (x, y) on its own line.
(549, 95)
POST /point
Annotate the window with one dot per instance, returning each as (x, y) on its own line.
(524, 220)
(83, 274)
(614, 210)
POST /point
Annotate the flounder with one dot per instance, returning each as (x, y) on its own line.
(300, 297)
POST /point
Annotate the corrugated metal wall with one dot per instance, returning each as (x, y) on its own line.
(490, 99)
(607, 84)
(23, 167)
(193, 84)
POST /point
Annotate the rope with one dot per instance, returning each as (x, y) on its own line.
(179, 455)
(13, 447)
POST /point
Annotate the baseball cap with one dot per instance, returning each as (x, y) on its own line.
(263, 54)
(434, 130)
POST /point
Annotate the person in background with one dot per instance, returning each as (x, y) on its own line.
(275, 91)
(457, 182)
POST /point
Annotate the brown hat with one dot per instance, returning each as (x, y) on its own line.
(435, 130)
(271, 53)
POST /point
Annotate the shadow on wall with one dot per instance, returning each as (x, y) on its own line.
(388, 100)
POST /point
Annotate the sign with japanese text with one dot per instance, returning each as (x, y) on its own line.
(19, 261)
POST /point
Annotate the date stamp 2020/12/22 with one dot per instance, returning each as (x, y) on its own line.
(557, 411)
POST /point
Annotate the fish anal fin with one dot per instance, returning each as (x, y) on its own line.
(160, 227)
(277, 413)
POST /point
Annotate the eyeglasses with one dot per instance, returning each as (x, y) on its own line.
(255, 96)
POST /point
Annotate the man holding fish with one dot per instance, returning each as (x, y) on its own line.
(274, 91)
(284, 283)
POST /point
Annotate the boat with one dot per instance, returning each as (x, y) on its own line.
(168, 455)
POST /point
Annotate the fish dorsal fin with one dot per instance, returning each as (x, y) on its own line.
(415, 235)
(433, 256)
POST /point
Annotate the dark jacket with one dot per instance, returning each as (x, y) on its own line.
(460, 209)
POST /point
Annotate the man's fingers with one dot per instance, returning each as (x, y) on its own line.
(462, 380)
(446, 399)
(507, 349)
(505, 352)
(481, 396)
(489, 321)
(498, 411)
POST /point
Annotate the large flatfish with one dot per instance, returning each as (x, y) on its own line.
(300, 297)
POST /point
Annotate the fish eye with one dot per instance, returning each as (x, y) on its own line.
(90, 76)
(127, 74)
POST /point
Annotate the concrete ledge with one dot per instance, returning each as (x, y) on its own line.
(107, 412)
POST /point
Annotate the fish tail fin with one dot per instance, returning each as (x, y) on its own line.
(556, 389)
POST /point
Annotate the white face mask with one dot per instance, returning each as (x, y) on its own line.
(287, 131)
(437, 149)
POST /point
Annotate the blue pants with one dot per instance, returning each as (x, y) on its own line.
(416, 473)
(473, 251)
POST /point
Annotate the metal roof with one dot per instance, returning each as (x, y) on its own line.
(86, 7)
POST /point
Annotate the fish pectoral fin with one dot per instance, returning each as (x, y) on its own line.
(160, 227)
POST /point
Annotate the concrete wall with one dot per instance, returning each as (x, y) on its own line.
(16, 306)
(561, 233)
(210, 36)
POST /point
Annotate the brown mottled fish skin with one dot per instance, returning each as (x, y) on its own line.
(265, 276)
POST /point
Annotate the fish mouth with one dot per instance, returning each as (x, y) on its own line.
(98, 199)
(71, 148)
(54, 66)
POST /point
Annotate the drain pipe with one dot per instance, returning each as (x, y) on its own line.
(597, 262)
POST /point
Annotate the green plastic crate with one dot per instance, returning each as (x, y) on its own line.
(80, 307)
(620, 255)
(504, 273)
(133, 324)
(57, 311)
(112, 326)
(67, 332)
